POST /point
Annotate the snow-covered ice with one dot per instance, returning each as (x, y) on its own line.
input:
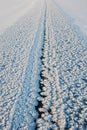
(43, 69)
(62, 75)
(20, 47)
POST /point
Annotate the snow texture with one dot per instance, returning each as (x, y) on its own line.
(43, 72)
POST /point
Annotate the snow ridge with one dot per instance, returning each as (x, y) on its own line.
(50, 109)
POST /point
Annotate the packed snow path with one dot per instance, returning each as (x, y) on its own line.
(43, 72)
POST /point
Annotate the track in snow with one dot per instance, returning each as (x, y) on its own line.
(43, 73)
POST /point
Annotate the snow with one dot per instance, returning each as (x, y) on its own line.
(63, 70)
(20, 47)
(76, 9)
(43, 68)
(12, 10)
